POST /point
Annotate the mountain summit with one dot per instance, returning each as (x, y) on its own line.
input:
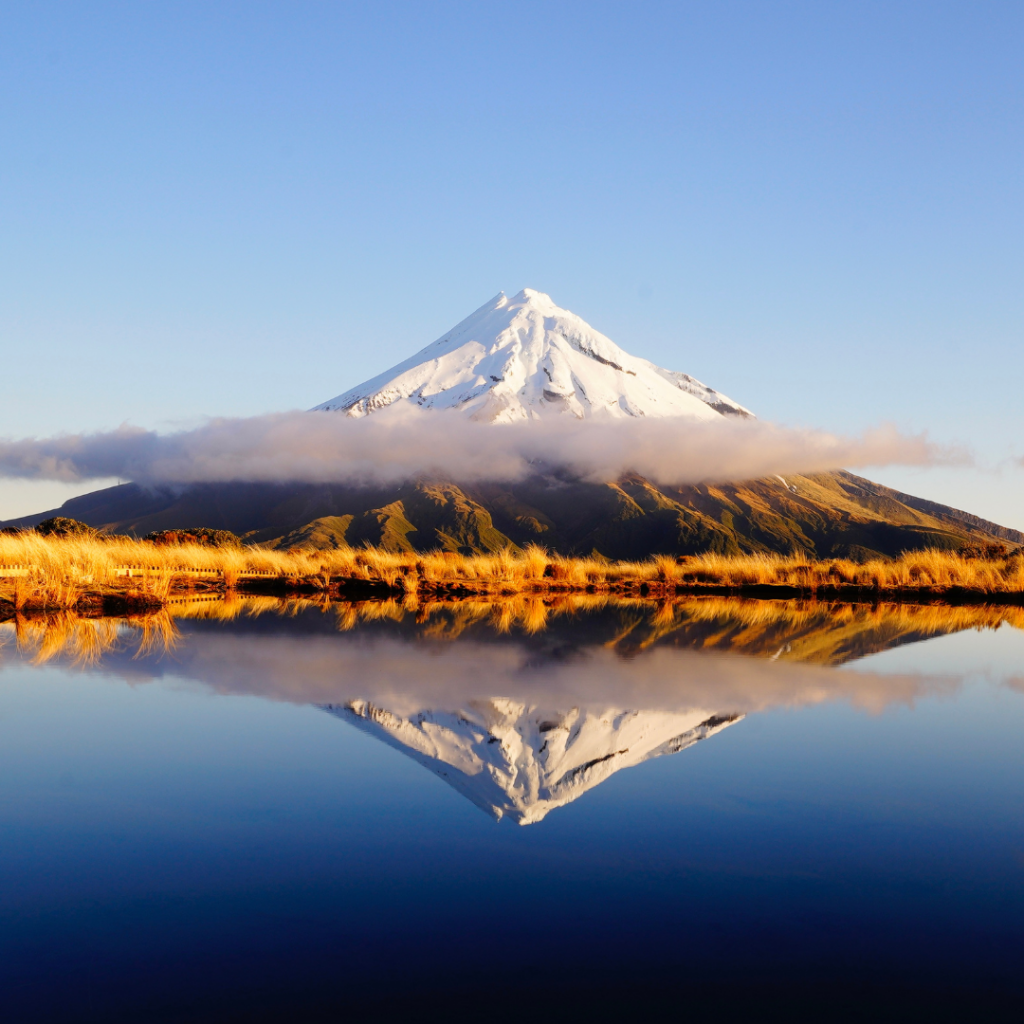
(526, 358)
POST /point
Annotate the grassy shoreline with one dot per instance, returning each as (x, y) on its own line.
(48, 572)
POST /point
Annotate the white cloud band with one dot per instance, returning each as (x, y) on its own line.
(393, 445)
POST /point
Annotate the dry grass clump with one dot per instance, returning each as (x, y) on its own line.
(59, 571)
(930, 569)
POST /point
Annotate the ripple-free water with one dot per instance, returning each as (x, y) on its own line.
(470, 813)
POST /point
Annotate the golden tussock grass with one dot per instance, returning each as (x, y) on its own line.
(59, 572)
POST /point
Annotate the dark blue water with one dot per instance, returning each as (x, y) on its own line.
(176, 848)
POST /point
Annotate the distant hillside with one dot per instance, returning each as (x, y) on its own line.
(826, 514)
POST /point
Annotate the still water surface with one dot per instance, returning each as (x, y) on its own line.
(271, 811)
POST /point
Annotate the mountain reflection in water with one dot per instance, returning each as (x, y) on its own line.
(521, 704)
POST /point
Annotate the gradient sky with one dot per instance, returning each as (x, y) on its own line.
(229, 209)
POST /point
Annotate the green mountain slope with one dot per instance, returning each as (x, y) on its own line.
(825, 514)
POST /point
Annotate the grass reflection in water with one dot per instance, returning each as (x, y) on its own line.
(823, 633)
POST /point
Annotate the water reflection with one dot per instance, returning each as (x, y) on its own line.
(825, 633)
(521, 704)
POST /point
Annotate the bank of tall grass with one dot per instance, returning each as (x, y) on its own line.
(61, 572)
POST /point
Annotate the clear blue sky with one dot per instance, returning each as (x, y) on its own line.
(218, 208)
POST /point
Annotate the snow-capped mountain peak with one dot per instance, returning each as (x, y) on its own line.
(524, 358)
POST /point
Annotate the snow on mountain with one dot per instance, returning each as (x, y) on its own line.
(510, 759)
(523, 358)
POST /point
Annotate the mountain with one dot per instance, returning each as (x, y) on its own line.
(517, 760)
(824, 514)
(525, 358)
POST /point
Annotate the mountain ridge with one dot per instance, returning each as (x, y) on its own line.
(822, 515)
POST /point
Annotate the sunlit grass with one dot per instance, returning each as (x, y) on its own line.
(59, 572)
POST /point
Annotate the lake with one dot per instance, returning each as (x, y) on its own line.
(259, 809)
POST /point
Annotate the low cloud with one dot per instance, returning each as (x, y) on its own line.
(394, 445)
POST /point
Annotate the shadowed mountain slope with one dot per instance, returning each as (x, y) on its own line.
(825, 515)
